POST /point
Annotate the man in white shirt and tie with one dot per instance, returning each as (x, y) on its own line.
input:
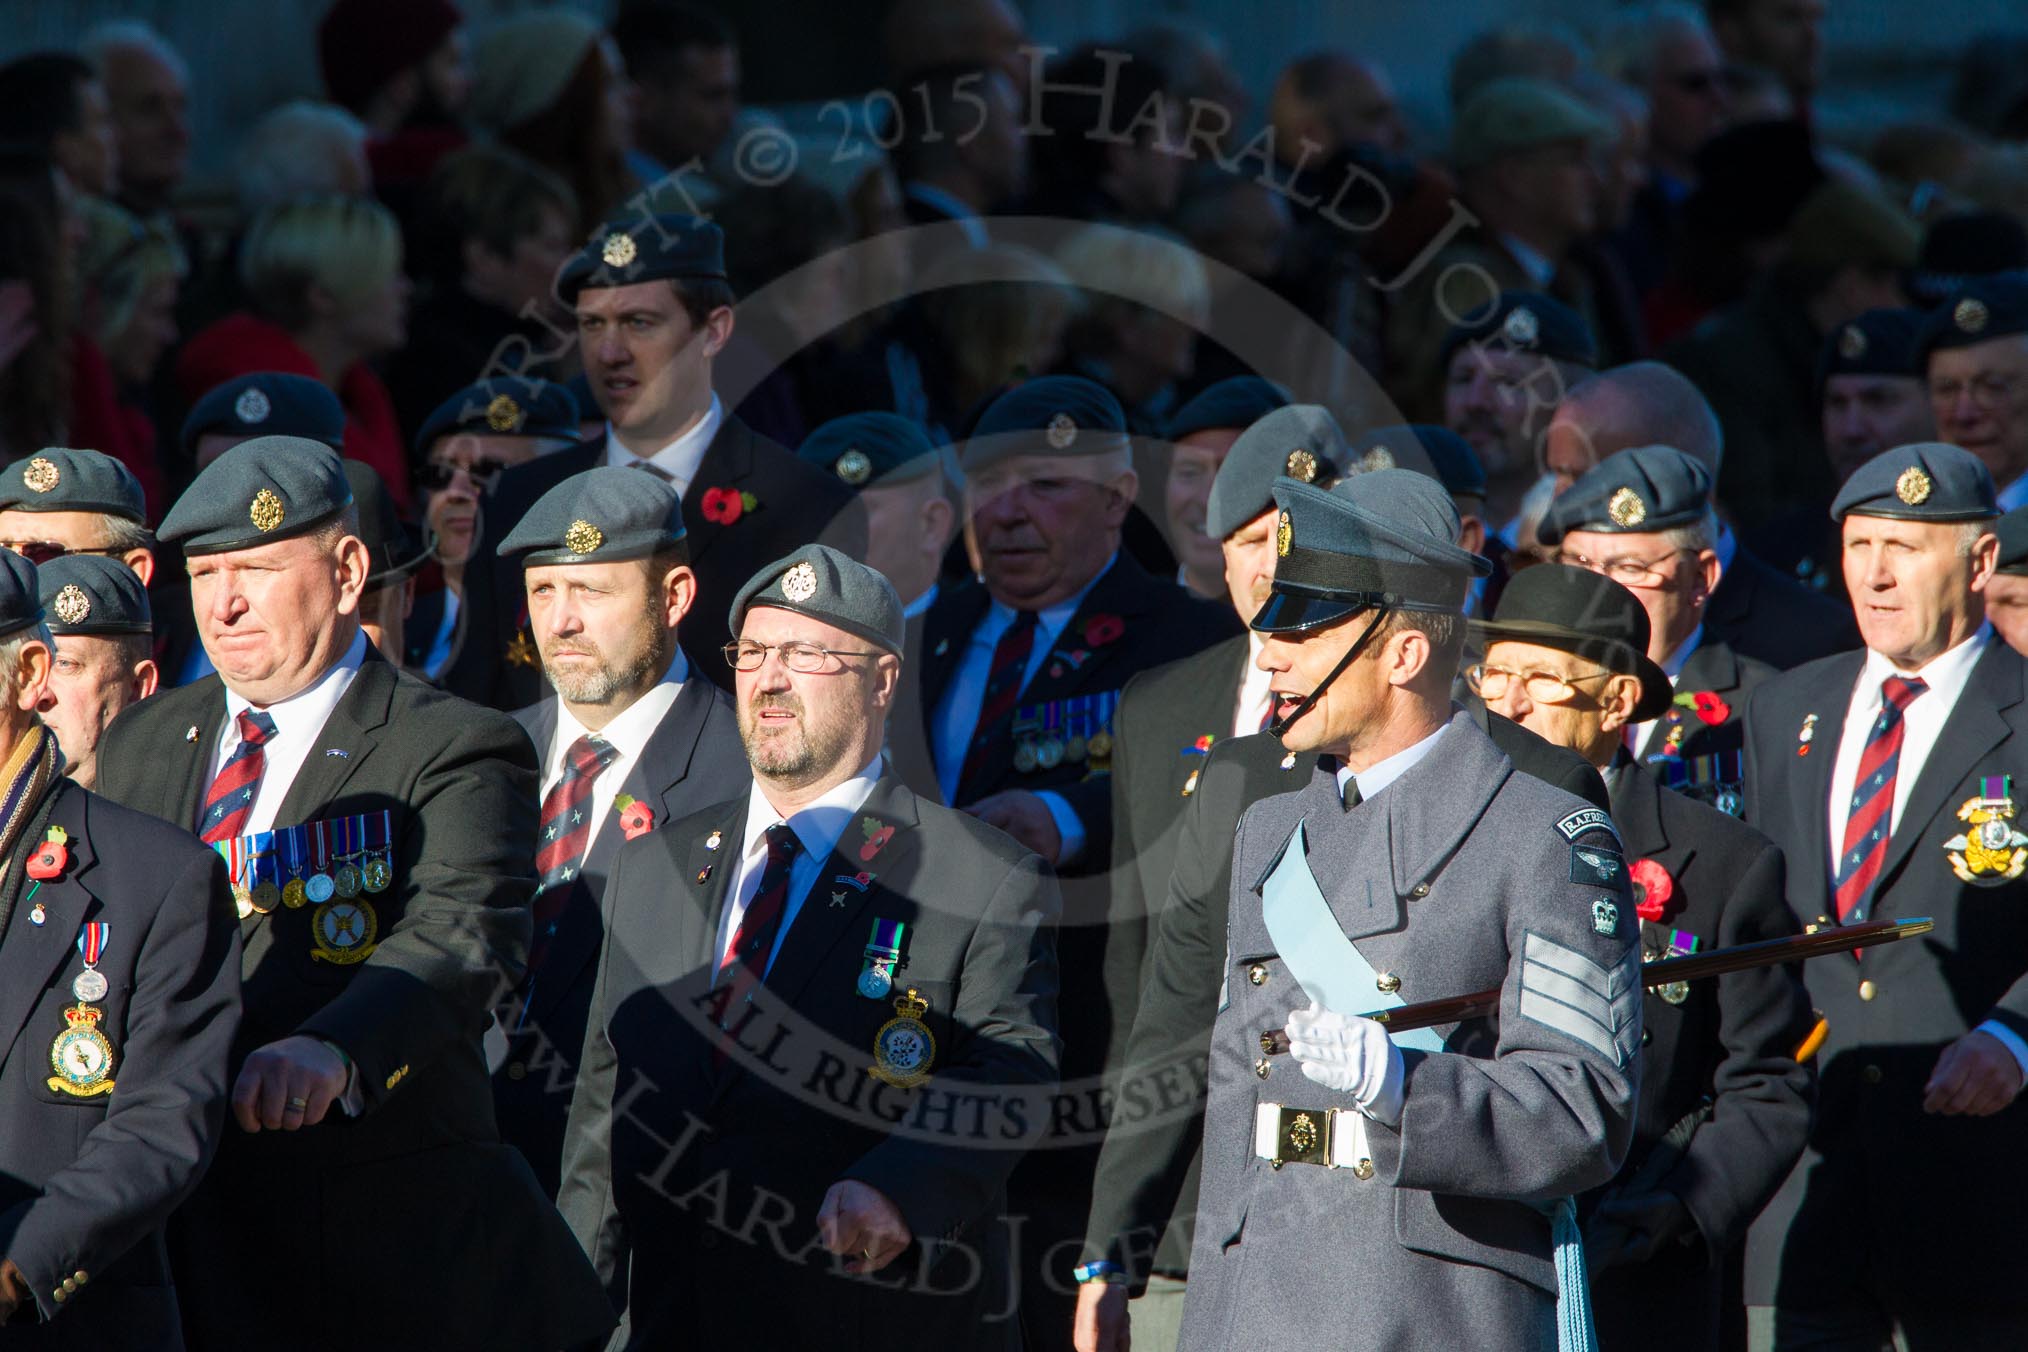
(654, 310)
(631, 740)
(1889, 777)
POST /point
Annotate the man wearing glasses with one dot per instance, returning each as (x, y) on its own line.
(630, 742)
(1974, 348)
(1724, 1106)
(762, 957)
(1643, 518)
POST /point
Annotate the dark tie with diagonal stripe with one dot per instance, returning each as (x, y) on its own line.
(754, 938)
(996, 706)
(1872, 819)
(230, 801)
(565, 828)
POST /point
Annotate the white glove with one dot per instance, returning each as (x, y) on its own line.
(1352, 1056)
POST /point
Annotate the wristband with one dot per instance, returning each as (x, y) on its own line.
(1101, 1271)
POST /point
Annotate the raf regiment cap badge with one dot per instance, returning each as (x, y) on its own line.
(619, 249)
(503, 414)
(1301, 466)
(72, 605)
(40, 475)
(1062, 432)
(1970, 315)
(1852, 342)
(800, 582)
(1285, 535)
(583, 537)
(1626, 508)
(252, 406)
(1522, 327)
(853, 467)
(266, 510)
(1913, 487)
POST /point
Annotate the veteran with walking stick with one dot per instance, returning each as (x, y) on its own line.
(1438, 1167)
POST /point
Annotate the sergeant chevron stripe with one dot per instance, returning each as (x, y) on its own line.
(1563, 989)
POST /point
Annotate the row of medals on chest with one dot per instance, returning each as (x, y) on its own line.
(346, 881)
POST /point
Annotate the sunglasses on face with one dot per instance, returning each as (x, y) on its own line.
(39, 552)
(484, 472)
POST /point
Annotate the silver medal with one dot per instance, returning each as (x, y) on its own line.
(90, 985)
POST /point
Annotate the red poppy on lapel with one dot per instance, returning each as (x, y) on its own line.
(1100, 630)
(52, 859)
(724, 506)
(877, 835)
(1654, 889)
(1711, 711)
(636, 817)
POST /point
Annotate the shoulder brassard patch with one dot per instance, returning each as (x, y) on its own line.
(1587, 819)
(1598, 866)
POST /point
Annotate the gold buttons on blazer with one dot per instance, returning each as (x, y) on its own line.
(1872, 1075)
(1363, 1170)
(402, 1074)
(1262, 1067)
(1257, 974)
(516, 1071)
(1388, 983)
(82, 1277)
(1419, 891)
(1867, 990)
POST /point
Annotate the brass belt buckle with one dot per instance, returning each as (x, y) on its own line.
(1302, 1136)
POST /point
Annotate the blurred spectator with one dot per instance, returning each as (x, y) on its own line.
(1751, 179)
(1527, 549)
(1504, 376)
(1922, 157)
(147, 93)
(553, 86)
(920, 35)
(1200, 71)
(1549, 53)
(784, 253)
(1146, 300)
(1958, 248)
(964, 158)
(1872, 396)
(1238, 221)
(1622, 175)
(52, 103)
(684, 63)
(1990, 94)
(491, 230)
(1127, 168)
(1756, 94)
(324, 281)
(1756, 361)
(1974, 354)
(1783, 37)
(990, 317)
(301, 149)
(1526, 155)
(402, 67)
(1334, 100)
(127, 280)
(35, 305)
(1666, 52)
(1641, 404)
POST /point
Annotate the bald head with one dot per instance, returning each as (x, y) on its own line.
(924, 34)
(1641, 404)
(1334, 100)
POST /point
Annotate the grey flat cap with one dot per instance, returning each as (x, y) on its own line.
(260, 491)
(92, 594)
(602, 515)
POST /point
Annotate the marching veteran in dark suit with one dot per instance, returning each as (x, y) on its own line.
(98, 613)
(654, 310)
(632, 740)
(1888, 777)
(376, 832)
(1022, 675)
(1415, 863)
(119, 994)
(1643, 518)
(824, 1023)
(1145, 1193)
(1724, 1106)
(905, 486)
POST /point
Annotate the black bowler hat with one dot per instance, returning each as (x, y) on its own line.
(395, 550)
(1525, 321)
(267, 404)
(1385, 538)
(669, 247)
(1582, 612)
(2013, 532)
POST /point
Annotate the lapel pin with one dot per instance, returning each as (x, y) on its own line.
(1289, 761)
(38, 915)
(1807, 735)
(190, 733)
(837, 898)
(943, 646)
(711, 841)
(339, 752)
(704, 873)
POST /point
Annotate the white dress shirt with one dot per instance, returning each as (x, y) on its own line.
(628, 733)
(1672, 667)
(920, 604)
(1253, 691)
(299, 720)
(681, 457)
(957, 716)
(1922, 722)
(819, 826)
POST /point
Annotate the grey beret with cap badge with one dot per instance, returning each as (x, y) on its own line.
(20, 594)
(62, 479)
(92, 594)
(1302, 442)
(601, 515)
(1923, 481)
(258, 492)
(1638, 491)
(827, 585)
